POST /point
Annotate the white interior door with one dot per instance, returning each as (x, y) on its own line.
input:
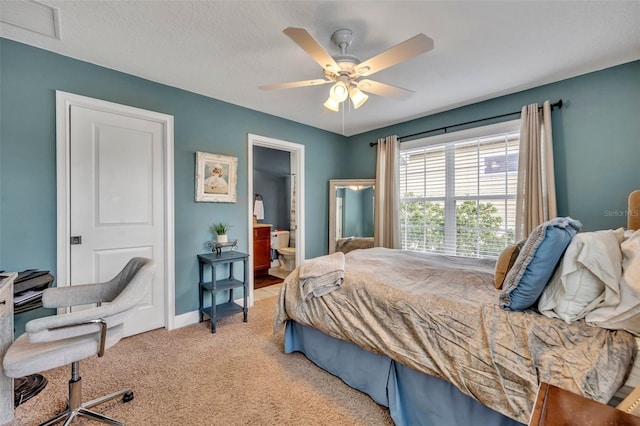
(116, 202)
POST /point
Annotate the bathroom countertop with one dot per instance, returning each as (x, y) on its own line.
(261, 225)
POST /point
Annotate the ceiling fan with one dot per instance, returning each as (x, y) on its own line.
(346, 71)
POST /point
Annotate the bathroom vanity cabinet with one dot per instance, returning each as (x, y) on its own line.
(261, 249)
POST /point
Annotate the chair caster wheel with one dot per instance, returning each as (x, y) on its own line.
(127, 397)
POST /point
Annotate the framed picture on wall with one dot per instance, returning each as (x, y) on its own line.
(216, 178)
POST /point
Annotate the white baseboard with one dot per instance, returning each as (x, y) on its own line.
(186, 319)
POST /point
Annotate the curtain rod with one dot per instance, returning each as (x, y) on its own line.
(553, 106)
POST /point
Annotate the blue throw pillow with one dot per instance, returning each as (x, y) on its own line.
(536, 262)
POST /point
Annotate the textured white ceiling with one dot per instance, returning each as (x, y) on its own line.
(225, 49)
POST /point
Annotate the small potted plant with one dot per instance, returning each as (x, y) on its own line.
(220, 229)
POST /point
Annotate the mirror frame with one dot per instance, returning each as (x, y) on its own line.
(333, 185)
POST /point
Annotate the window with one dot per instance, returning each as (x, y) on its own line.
(458, 191)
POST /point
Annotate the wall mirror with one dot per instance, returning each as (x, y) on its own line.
(351, 218)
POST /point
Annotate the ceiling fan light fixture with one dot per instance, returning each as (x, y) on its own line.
(339, 91)
(345, 70)
(357, 97)
(332, 104)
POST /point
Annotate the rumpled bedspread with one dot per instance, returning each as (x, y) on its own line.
(439, 315)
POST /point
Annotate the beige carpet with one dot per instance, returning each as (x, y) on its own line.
(238, 376)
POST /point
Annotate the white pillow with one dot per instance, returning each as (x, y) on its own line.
(591, 260)
(620, 308)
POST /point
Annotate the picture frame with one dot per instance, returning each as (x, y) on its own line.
(216, 178)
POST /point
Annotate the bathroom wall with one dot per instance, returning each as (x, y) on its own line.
(272, 180)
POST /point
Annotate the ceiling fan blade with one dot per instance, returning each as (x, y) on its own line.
(303, 39)
(401, 52)
(304, 83)
(383, 89)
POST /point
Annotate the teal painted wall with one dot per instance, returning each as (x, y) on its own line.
(596, 137)
(596, 140)
(29, 79)
(272, 180)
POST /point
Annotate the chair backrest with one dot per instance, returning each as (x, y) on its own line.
(119, 299)
(133, 283)
(130, 287)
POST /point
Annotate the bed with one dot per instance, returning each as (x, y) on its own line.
(427, 337)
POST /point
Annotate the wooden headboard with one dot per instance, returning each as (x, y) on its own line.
(633, 213)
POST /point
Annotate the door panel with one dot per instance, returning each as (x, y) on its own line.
(125, 177)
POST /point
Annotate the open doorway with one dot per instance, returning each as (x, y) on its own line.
(296, 197)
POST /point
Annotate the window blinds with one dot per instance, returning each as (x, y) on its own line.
(458, 197)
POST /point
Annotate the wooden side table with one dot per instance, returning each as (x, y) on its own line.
(558, 407)
(214, 285)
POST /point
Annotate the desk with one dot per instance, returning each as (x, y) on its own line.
(557, 407)
(6, 338)
(212, 286)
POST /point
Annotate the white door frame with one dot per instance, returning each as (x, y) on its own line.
(298, 169)
(64, 101)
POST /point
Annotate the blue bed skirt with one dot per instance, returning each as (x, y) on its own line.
(413, 398)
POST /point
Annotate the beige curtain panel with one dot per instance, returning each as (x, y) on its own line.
(387, 194)
(536, 195)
